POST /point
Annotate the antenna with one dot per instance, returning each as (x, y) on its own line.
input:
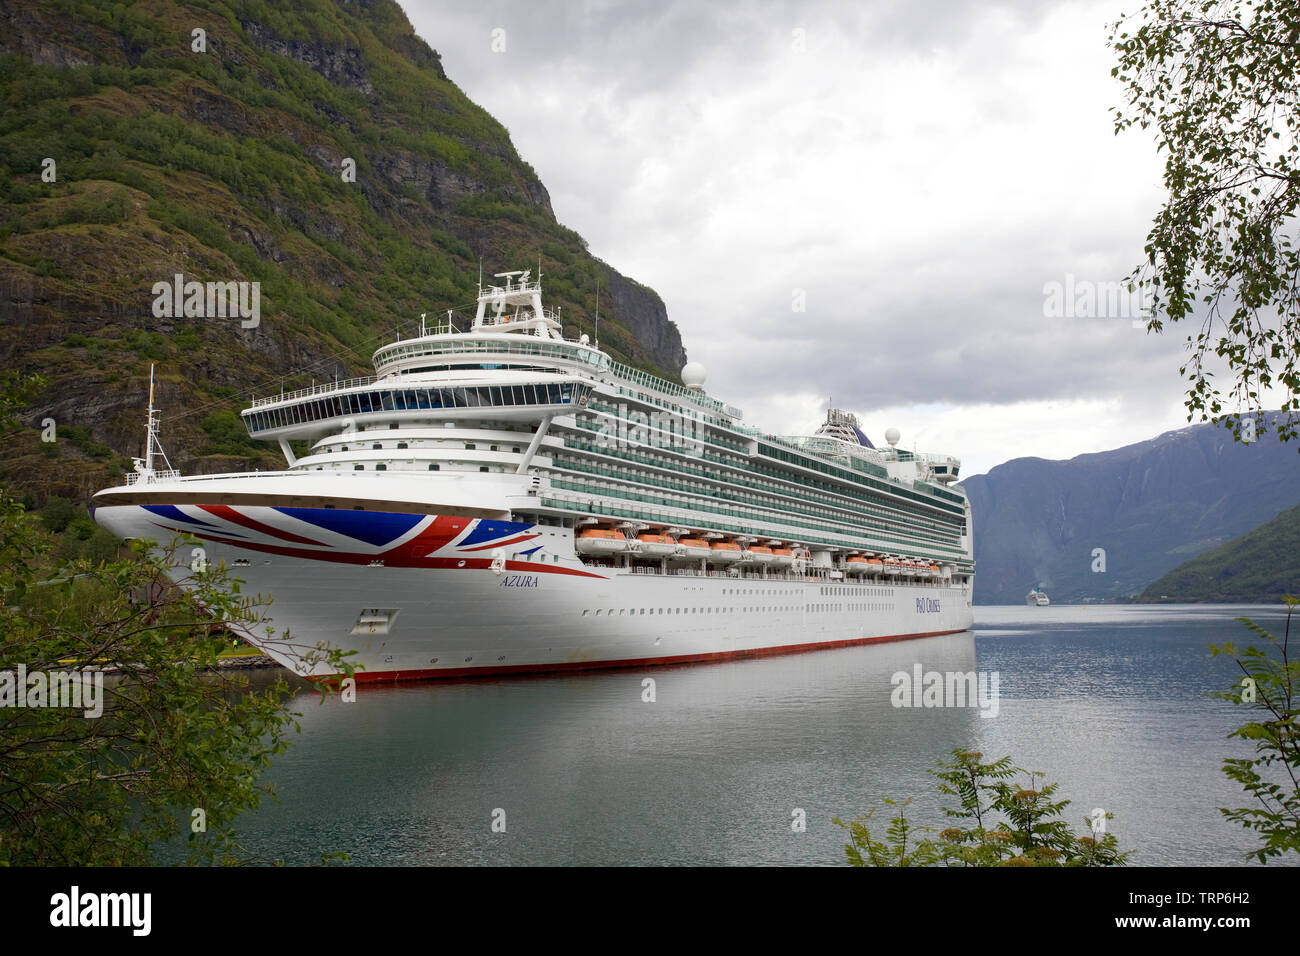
(422, 332)
(151, 439)
(597, 310)
(148, 429)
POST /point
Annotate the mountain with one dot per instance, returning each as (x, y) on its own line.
(317, 149)
(1149, 506)
(1261, 565)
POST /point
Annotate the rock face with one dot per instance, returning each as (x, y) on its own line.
(339, 63)
(318, 149)
(1106, 525)
(643, 312)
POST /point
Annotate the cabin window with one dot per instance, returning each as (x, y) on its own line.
(433, 467)
(358, 467)
(381, 467)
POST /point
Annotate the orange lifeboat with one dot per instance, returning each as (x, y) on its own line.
(656, 545)
(725, 552)
(600, 541)
(694, 548)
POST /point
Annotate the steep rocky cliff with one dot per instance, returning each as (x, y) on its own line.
(317, 149)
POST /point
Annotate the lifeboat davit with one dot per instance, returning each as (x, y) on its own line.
(600, 541)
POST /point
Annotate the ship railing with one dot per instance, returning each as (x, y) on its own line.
(314, 390)
(136, 477)
(384, 380)
(509, 320)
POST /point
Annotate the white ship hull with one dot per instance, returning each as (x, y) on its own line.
(434, 523)
(417, 596)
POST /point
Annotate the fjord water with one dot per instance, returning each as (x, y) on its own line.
(1108, 701)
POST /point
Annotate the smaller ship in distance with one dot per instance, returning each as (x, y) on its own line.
(1036, 598)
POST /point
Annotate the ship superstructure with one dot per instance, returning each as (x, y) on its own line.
(501, 499)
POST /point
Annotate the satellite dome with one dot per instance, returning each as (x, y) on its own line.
(892, 436)
(584, 339)
(693, 375)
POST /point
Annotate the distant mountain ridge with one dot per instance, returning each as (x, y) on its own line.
(1260, 566)
(1148, 507)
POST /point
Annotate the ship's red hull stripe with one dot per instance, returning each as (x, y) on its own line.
(446, 673)
(234, 517)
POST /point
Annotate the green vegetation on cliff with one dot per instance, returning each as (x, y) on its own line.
(1261, 565)
(133, 148)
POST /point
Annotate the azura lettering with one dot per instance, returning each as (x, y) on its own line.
(520, 581)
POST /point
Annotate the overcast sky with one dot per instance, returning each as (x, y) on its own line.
(918, 172)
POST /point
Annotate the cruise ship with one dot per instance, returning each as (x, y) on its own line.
(501, 499)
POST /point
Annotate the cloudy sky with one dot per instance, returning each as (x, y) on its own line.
(913, 174)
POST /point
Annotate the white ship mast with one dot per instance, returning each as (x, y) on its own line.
(516, 307)
(144, 467)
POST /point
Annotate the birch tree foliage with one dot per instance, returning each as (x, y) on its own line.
(1218, 83)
